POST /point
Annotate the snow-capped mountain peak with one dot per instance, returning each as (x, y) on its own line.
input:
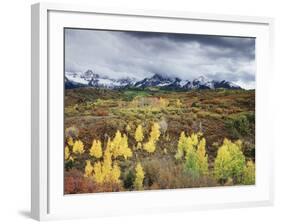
(91, 79)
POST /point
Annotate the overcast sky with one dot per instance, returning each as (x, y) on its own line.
(141, 54)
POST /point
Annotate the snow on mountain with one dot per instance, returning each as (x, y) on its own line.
(90, 79)
(76, 78)
(155, 80)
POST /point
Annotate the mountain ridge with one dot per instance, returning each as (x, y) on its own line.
(91, 79)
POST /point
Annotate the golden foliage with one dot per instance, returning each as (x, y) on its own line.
(70, 141)
(138, 183)
(193, 149)
(66, 153)
(105, 172)
(78, 147)
(181, 146)
(115, 174)
(230, 161)
(249, 173)
(98, 173)
(96, 149)
(149, 146)
(139, 134)
(155, 132)
(202, 157)
(88, 169)
(119, 146)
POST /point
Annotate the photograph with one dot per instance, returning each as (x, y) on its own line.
(157, 110)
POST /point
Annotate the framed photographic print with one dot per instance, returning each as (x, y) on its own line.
(148, 111)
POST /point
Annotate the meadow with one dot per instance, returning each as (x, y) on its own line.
(149, 139)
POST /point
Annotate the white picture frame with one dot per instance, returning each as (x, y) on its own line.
(47, 199)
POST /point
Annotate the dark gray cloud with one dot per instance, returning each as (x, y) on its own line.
(139, 54)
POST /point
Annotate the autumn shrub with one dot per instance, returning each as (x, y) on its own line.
(165, 174)
(71, 132)
(100, 112)
(73, 181)
(238, 125)
(194, 104)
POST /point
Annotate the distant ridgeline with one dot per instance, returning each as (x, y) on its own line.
(90, 79)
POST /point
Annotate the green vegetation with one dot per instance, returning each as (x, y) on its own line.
(120, 140)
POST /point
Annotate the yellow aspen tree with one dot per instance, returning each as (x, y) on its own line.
(107, 165)
(98, 173)
(191, 165)
(70, 141)
(119, 146)
(155, 132)
(202, 157)
(115, 173)
(139, 134)
(249, 173)
(149, 146)
(116, 143)
(78, 147)
(189, 145)
(109, 145)
(138, 183)
(66, 153)
(194, 139)
(96, 149)
(181, 146)
(230, 161)
(125, 151)
(88, 169)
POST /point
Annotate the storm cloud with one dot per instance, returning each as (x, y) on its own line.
(119, 54)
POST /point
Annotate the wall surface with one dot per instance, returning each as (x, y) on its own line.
(15, 110)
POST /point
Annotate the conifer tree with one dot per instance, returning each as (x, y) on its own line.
(96, 149)
(138, 183)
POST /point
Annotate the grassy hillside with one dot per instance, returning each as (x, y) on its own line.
(97, 114)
